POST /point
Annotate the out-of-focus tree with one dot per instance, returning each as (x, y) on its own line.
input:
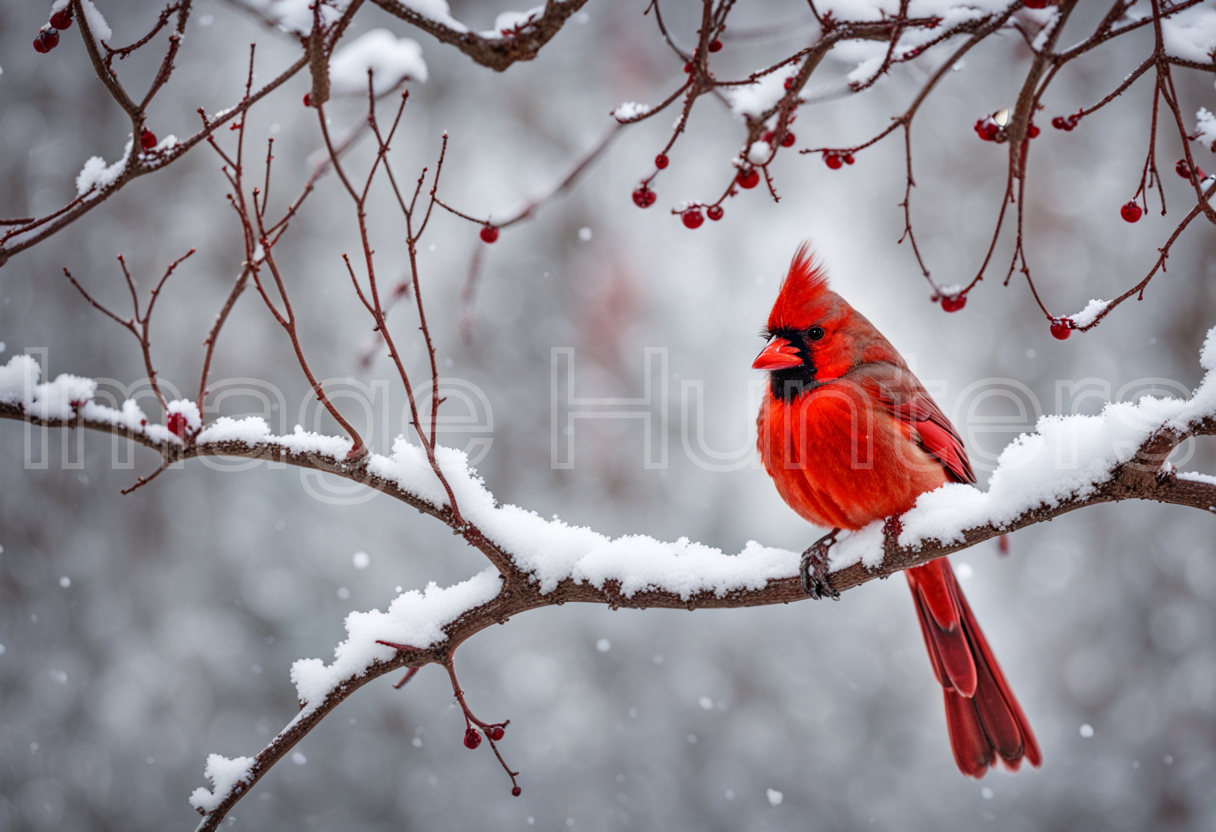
(372, 213)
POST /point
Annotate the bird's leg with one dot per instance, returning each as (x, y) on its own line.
(814, 568)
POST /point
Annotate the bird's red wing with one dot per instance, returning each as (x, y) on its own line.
(907, 400)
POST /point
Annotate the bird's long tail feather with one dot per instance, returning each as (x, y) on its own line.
(985, 720)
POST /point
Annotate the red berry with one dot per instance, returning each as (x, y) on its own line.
(1059, 123)
(307, 99)
(767, 138)
(748, 178)
(1183, 169)
(1061, 328)
(177, 425)
(789, 82)
(643, 197)
(472, 738)
(47, 40)
(788, 141)
(1033, 132)
(1035, 4)
(848, 158)
(832, 160)
(147, 140)
(497, 733)
(517, 791)
(693, 218)
(715, 45)
(489, 234)
(714, 212)
(660, 161)
(953, 303)
(1131, 212)
(688, 67)
(62, 19)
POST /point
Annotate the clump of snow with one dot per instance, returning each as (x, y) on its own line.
(131, 416)
(56, 399)
(226, 776)
(296, 15)
(390, 59)
(414, 618)
(753, 100)
(1206, 122)
(253, 431)
(97, 23)
(97, 174)
(630, 110)
(759, 152)
(1090, 313)
(1191, 34)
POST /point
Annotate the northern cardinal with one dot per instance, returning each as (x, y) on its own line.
(850, 436)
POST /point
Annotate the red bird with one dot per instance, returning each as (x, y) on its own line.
(850, 436)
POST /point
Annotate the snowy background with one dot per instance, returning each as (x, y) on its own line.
(141, 633)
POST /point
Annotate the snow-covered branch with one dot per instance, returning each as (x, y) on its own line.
(1068, 463)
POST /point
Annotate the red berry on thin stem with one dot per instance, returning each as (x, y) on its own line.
(715, 45)
(688, 67)
(1131, 212)
(788, 141)
(47, 40)
(1182, 169)
(714, 212)
(489, 234)
(693, 218)
(62, 19)
(643, 197)
(1032, 131)
(307, 99)
(848, 158)
(953, 303)
(748, 178)
(789, 83)
(1061, 328)
(147, 140)
(517, 791)
(832, 160)
(472, 738)
(660, 161)
(497, 733)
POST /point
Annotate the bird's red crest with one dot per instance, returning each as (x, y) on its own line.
(803, 295)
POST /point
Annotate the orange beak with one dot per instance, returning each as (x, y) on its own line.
(779, 354)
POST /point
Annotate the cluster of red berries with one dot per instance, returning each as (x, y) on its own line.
(987, 128)
(1184, 170)
(472, 737)
(1066, 123)
(48, 36)
(786, 141)
(835, 160)
(715, 45)
(1130, 212)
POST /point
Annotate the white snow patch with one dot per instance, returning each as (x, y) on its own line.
(390, 59)
(774, 797)
(754, 99)
(253, 431)
(97, 174)
(630, 110)
(97, 24)
(435, 10)
(413, 618)
(509, 21)
(1090, 313)
(1206, 122)
(226, 775)
(1190, 35)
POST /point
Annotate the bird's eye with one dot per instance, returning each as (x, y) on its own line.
(815, 333)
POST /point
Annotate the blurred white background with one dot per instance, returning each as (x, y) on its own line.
(186, 602)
